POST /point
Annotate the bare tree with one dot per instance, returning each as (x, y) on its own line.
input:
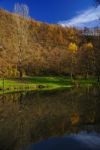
(21, 10)
(22, 17)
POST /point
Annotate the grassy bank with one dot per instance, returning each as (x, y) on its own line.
(41, 83)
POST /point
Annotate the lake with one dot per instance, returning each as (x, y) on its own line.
(51, 120)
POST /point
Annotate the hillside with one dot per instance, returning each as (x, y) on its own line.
(38, 48)
(45, 50)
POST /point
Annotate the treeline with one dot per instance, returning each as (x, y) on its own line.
(28, 47)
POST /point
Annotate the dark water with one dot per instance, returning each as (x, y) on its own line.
(54, 120)
(81, 141)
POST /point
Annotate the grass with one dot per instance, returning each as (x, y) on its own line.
(42, 83)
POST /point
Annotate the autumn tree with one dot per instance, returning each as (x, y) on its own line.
(22, 11)
(97, 45)
(87, 60)
(2, 61)
(73, 50)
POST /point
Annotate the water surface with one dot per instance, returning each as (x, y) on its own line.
(62, 118)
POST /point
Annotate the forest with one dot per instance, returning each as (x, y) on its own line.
(29, 47)
(50, 75)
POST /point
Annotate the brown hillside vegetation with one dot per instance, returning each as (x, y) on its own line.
(49, 48)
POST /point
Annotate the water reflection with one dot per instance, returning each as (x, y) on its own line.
(26, 118)
(81, 141)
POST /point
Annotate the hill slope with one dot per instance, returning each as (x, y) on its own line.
(44, 52)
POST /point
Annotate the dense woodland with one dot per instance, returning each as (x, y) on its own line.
(28, 47)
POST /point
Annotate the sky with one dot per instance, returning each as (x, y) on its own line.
(65, 12)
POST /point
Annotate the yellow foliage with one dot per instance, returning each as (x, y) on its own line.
(89, 46)
(75, 119)
(73, 47)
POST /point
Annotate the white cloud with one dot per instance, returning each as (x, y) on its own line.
(83, 17)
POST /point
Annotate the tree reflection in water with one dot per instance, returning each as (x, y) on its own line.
(34, 116)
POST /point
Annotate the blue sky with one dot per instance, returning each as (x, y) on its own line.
(65, 12)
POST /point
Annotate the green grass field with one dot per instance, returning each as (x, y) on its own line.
(41, 83)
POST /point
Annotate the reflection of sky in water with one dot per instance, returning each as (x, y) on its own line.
(92, 140)
(81, 141)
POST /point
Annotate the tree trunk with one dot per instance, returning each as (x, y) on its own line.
(20, 74)
(98, 78)
(71, 75)
(20, 69)
(87, 75)
(3, 84)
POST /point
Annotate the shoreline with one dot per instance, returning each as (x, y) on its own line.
(42, 83)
